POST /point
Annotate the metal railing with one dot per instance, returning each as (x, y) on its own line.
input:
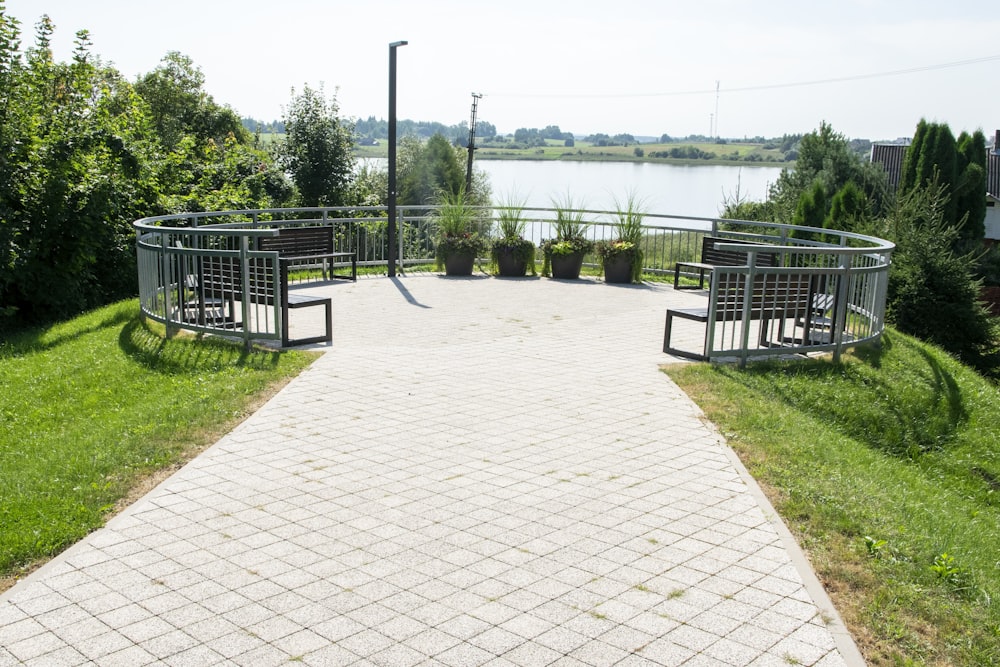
(850, 271)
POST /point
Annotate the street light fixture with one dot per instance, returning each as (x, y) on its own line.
(391, 213)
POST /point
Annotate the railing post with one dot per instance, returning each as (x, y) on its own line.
(165, 263)
(840, 314)
(245, 287)
(400, 235)
(748, 306)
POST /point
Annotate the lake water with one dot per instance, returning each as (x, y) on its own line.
(697, 191)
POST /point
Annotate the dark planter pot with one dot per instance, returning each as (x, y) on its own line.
(567, 267)
(459, 265)
(509, 266)
(618, 268)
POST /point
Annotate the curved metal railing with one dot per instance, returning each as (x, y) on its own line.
(850, 270)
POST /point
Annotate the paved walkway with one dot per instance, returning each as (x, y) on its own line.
(478, 472)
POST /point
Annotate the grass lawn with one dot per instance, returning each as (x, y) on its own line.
(95, 409)
(886, 467)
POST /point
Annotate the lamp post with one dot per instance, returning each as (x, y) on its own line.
(391, 213)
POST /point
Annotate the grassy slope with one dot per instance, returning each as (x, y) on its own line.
(92, 407)
(887, 469)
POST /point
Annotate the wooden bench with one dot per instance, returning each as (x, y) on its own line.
(774, 297)
(306, 245)
(221, 281)
(711, 257)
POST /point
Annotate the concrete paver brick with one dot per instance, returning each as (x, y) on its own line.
(476, 472)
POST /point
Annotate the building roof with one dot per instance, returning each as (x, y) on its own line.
(890, 156)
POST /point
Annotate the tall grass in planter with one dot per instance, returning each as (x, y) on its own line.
(457, 234)
(570, 227)
(628, 239)
(510, 252)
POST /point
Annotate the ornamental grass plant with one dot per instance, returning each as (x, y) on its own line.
(628, 236)
(457, 233)
(508, 238)
(570, 226)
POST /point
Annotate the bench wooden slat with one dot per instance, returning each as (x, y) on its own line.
(302, 244)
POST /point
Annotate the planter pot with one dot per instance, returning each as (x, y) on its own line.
(459, 265)
(618, 268)
(510, 266)
(566, 267)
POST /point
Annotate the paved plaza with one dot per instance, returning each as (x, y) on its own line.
(478, 471)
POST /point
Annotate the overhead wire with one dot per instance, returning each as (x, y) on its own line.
(746, 89)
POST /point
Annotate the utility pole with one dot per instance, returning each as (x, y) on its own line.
(716, 109)
(472, 143)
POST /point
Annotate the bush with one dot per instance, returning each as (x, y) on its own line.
(933, 293)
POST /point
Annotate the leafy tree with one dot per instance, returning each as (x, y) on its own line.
(317, 151)
(180, 106)
(78, 174)
(427, 170)
(485, 129)
(370, 186)
(208, 159)
(212, 176)
(826, 156)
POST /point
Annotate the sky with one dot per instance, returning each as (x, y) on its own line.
(730, 68)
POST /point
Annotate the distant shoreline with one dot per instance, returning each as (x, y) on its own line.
(623, 158)
(374, 152)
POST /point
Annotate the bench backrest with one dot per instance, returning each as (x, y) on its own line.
(774, 296)
(222, 277)
(299, 241)
(710, 254)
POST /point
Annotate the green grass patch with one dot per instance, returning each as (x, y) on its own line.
(886, 467)
(92, 407)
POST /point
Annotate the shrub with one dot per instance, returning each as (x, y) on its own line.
(932, 292)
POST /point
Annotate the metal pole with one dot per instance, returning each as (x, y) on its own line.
(391, 213)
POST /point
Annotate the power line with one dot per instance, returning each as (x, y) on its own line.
(747, 89)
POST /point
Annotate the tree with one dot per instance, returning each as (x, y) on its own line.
(848, 209)
(826, 156)
(970, 191)
(317, 149)
(79, 172)
(811, 208)
(958, 167)
(428, 170)
(485, 129)
(932, 293)
(180, 106)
